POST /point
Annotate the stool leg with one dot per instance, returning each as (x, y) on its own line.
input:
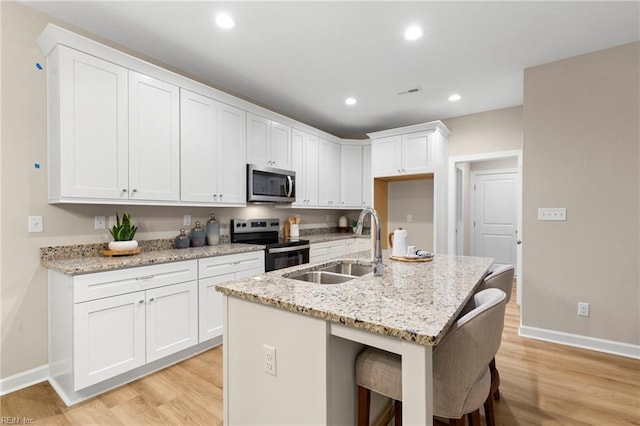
(364, 400)
(495, 380)
(398, 413)
(474, 418)
(488, 411)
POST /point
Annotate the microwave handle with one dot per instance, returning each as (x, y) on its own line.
(290, 186)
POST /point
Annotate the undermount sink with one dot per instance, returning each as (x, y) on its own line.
(349, 268)
(333, 273)
(322, 277)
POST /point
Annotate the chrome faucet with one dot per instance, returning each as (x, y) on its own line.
(377, 252)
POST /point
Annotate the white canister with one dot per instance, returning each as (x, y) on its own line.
(294, 230)
(342, 222)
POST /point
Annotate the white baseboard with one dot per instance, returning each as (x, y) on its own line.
(24, 379)
(584, 342)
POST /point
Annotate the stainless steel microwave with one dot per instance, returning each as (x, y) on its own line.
(271, 185)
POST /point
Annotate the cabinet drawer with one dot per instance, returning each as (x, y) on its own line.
(218, 265)
(112, 283)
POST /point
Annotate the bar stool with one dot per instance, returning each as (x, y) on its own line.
(461, 378)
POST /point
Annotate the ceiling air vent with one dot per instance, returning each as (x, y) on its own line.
(411, 90)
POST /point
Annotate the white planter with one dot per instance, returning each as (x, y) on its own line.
(123, 245)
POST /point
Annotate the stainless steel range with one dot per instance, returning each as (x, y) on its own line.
(279, 252)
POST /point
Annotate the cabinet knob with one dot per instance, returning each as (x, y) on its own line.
(152, 299)
(141, 301)
(220, 195)
(124, 190)
(215, 196)
(134, 190)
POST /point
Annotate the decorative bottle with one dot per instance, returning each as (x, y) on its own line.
(213, 231)
(197, 236)
(182, 240)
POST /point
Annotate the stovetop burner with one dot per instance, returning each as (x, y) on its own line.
(261, 231)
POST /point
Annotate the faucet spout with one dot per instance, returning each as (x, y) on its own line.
(377, 251)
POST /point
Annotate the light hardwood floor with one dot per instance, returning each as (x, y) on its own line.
(541, 384)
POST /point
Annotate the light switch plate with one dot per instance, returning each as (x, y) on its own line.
(552, 213)
(35, 224)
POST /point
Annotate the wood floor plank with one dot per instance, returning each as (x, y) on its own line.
(541, 384)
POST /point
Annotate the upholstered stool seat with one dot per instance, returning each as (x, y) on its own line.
(461, 376)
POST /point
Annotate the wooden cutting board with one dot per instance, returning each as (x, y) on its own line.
(411, 259)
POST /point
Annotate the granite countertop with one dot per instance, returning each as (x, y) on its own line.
(76, 260)
(411, 301)
(88, 264)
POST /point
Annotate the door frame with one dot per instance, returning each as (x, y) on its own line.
(453, 196)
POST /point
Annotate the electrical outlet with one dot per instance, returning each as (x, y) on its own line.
(99, 222)
(270, 360)
(186, 220)
(583, 309)
(409, 218)
(35, 224)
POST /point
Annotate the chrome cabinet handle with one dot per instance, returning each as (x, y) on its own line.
(145, 278)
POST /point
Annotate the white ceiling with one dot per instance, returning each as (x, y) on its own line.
(303, 59)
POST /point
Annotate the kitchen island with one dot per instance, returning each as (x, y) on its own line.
(290, 346)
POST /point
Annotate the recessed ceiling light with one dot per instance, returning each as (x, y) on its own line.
(455, 97)
(350, 101)
(225, 21)
(414, 32)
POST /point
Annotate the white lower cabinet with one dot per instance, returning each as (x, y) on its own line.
(355, 245)
(213, 271)
(328, 250)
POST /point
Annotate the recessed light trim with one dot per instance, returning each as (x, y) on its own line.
(225, 21)
(414, 32)
(350, 101)
(455, 97)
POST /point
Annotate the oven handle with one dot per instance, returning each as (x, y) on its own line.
(288, 249)
(290, 186)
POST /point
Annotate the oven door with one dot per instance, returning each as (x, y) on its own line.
(284, 257)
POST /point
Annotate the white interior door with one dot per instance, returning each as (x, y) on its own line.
(494, 216)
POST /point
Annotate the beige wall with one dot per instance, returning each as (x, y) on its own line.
(491, 131)
(415, 198)
(23, 282)
(581, 151)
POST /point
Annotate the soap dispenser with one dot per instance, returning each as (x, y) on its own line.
(213, 231)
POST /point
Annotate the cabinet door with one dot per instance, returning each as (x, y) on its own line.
(198, 147)
(109, 338)
(351, 176)
(210, 306)
(304, 160)
(172, 319)
(88, 130)
(329, 174)
(231, 156)
(367, 181)
(154, 139)
(280, 149)
(386, 156)
(258, 134)
(416, 155)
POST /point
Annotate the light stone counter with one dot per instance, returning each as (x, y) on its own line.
(415, 302)
(88, 264)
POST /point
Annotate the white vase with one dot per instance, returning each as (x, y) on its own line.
(123, 245)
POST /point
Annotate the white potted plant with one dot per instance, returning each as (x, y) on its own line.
(123, 233)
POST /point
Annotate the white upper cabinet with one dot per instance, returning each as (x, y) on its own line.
(212, 151)
(304, 160)
(88, 127)
(113, 133)
(329, 174)
(367, 179)
(351, 176)
(356, 182)
(407, 154)
(268, 142)
(154, 139)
